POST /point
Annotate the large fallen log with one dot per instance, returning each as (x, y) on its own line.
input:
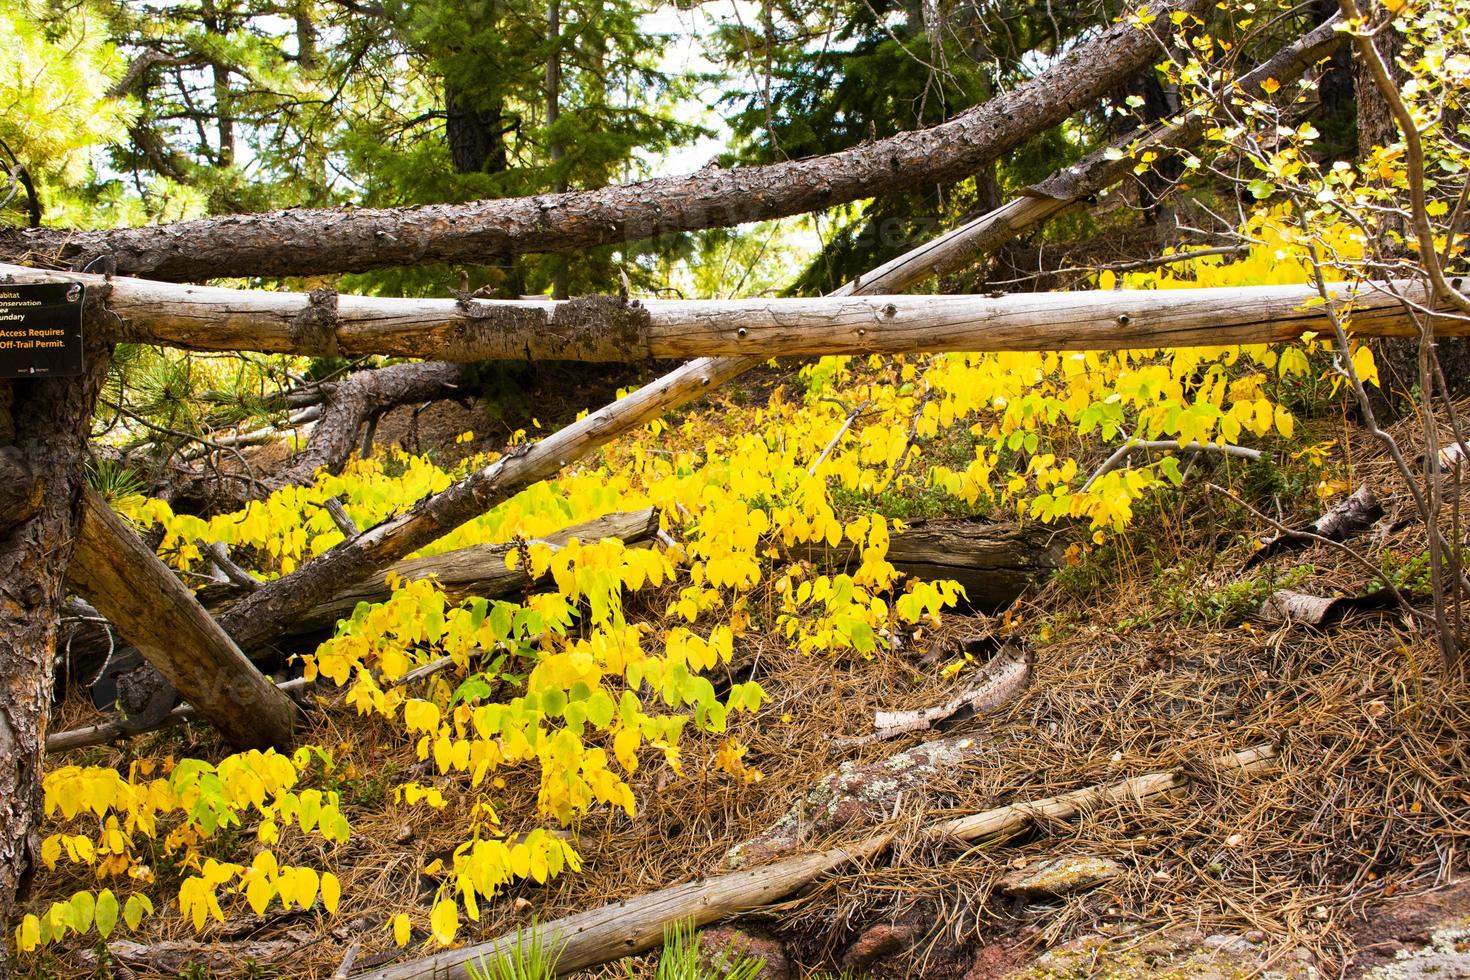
(995, 561)
(624, 928)
(122, 577)
(605, 328)
(306, 241)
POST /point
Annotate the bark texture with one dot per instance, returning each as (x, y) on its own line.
(995, 562)
(318, 241)
(44, 426)
(609, 329)
(122, 577)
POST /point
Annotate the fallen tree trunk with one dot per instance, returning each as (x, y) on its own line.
(628, 927)
(306, 241)
(995, 562)
(604, 328)
(478, 570)
(122, 577)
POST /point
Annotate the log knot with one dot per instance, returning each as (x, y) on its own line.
(314, 329)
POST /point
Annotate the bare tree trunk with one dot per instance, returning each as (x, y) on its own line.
(609, 329)
(476, 136)
(307, 242)
(44, 426)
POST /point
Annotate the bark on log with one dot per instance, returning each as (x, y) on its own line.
(46, 423)
(316, 241)
(122, 577)
(478, 570)
(995, 562)
(604, 328)
(632, 926)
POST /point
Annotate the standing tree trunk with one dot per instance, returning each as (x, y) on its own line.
(44, 427)
(476, 135)
(553, 112)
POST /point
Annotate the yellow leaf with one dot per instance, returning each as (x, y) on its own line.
(306, 885)
(331, 892)
(1285, 424)
(258, 893)
(28, 935)
(444, 922)
(520, 861)
(402, 929)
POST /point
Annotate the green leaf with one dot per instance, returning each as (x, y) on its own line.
(133, 911)
(106, 912)
(1261, 189)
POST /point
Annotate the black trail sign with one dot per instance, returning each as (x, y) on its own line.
(41, 329)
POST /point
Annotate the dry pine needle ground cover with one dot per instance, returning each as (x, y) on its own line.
(1368, 800)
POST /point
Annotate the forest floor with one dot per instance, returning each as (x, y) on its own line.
(1148, 654)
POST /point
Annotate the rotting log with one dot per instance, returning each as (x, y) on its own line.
(628, 927)
(605, 328)
(304, 241)
(995, 561)
(121, 576)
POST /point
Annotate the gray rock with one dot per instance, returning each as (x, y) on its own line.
(1061, 876)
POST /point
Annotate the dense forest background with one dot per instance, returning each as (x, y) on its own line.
(130, 113)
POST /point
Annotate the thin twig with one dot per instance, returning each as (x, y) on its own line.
(1113, 461)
